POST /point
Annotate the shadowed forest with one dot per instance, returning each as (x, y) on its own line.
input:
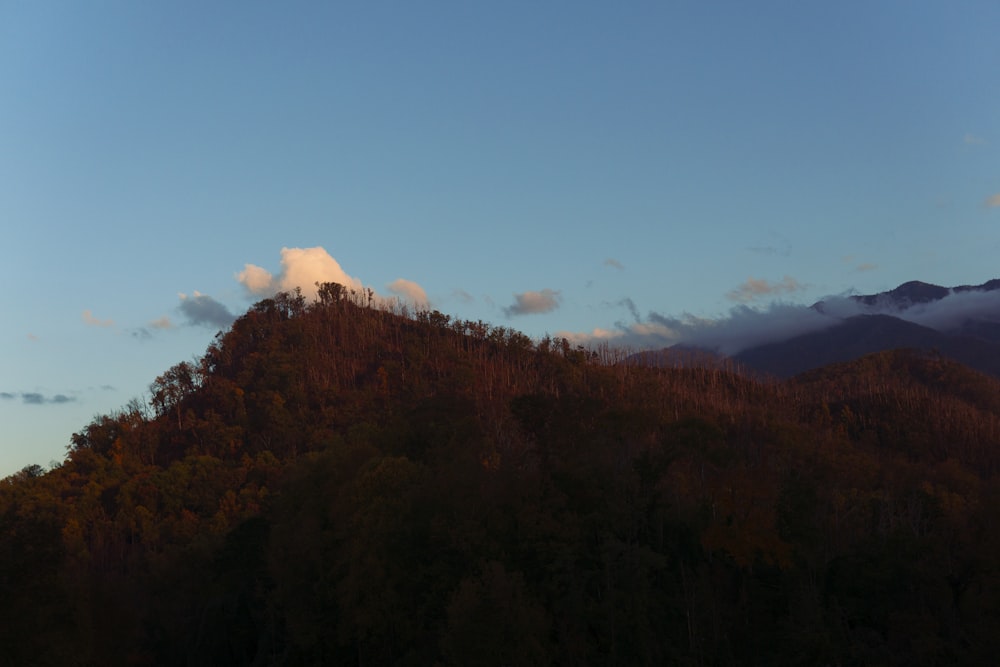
(341, 482)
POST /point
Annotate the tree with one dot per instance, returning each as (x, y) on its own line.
(170, 389)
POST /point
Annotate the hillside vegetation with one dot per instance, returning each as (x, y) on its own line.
(341, 483)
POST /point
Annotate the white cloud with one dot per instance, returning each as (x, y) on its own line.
(954, 309)
(408, 290)
(300, 267)
(973, 140)
(303, 268)
(256, 280)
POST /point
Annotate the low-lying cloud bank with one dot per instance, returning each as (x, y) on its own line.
(744, 327)
(951, 311)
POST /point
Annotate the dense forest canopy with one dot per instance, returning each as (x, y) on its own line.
(344, 481)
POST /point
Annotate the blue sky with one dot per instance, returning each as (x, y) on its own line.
(583, 169)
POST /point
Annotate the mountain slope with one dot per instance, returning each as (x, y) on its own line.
(866, 334)
(336, 483)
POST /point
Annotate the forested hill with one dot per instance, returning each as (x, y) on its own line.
(341, 482)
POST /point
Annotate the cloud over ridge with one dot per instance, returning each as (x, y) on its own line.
(745, 326)
(303, 268)
(409, 290)
(300, 267)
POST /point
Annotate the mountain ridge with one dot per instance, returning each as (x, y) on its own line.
(916, 315)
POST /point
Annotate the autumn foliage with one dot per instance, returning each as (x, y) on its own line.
(352, 482)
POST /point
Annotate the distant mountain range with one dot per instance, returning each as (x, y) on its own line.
(962, 323)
